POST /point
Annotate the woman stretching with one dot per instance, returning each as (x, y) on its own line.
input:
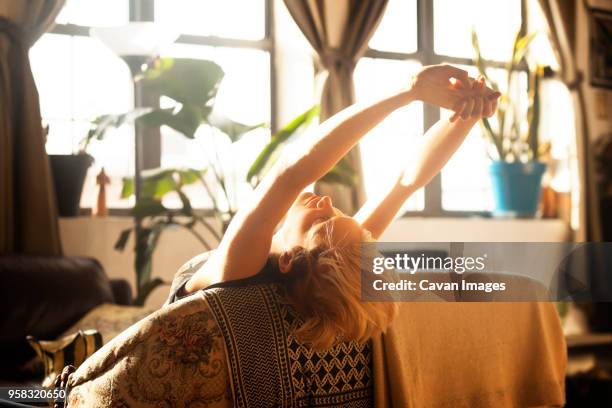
(317, 245)
(281, 322)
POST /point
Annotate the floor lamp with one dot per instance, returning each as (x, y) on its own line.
(136, 43)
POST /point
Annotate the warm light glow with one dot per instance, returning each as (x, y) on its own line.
(389, 145)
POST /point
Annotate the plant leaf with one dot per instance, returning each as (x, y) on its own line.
(188, 81)
(480, 62)
(186, 121)
(142, 262)
(123, 239)
(190, 176)
(492, 136)
(533, 111)
(147, 207)
(261, 162)
(102, 124)
(235, 130)
(145, 290)
(157, 183)
(148, 239)
(187, 209)
(522, 46)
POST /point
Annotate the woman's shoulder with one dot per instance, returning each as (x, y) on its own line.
(268, 274)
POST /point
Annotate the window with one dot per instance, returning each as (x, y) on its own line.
(79, 79)
(422, 32)
(270, 78)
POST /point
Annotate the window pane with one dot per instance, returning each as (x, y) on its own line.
(116, 154)
(95, 12)
(244, 96)
(385, 148)
(465, 178)
(241, 19)
(496, 23)
(50, 59)
(77, 80)
(397, 31)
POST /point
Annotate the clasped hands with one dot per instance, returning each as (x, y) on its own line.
(452, 88)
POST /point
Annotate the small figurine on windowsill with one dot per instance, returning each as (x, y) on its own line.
(101, 180)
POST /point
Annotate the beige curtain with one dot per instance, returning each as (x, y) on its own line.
(28, 215)
(339, 31)
(560, 16)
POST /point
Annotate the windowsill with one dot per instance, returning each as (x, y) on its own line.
(96, 237)
(423, 229)
(476, 229)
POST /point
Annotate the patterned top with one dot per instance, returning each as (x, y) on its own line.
(268, 366)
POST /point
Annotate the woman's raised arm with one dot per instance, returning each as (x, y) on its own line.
(246, 244)
(441, 142)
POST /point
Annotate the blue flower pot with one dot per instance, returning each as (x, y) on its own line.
(516, 188)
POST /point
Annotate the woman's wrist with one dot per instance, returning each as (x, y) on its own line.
(407, 94)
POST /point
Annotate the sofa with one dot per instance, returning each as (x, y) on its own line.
(43, 297)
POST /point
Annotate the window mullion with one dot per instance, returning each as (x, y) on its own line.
(431, 114)
(149, 146)
(271, 40)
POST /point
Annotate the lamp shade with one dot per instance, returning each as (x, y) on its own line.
(135, 38)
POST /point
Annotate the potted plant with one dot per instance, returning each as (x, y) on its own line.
(68, 173)
(515, 169)
(194, 107)
(155, 217)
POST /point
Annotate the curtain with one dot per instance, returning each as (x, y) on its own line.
(339, 31)
(560, 16)
(28, 214)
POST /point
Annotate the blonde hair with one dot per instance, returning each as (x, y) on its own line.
(324, 286)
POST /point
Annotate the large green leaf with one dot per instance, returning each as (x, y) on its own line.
(235, 130)
(265, 156)
(188, 81)
(186, 120)
(189, 176)
(157, 183)
(493, 138)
